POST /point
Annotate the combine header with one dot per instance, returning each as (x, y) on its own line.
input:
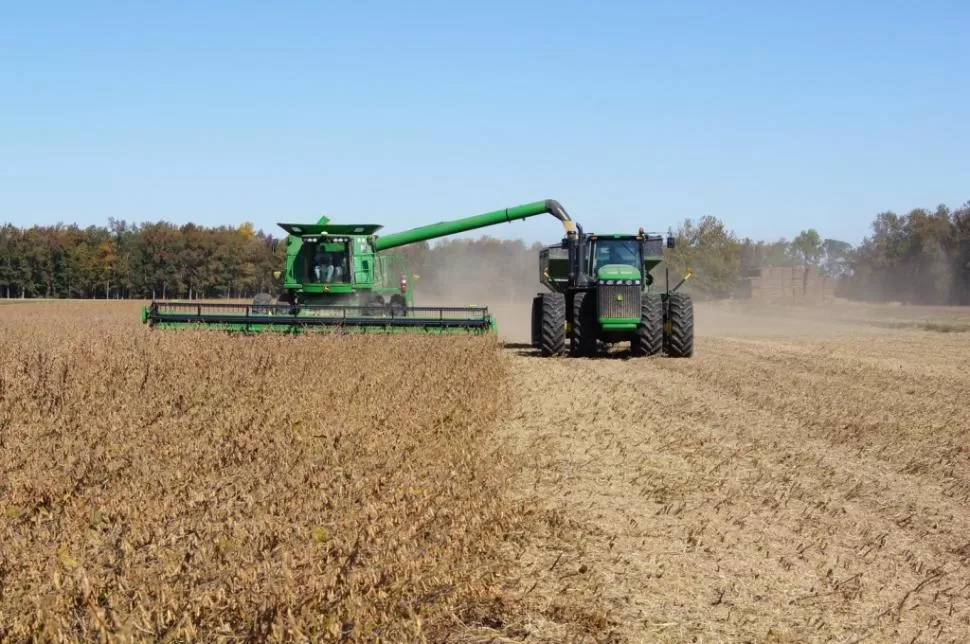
(339, 277)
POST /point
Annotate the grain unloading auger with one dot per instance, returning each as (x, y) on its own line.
(340, 277)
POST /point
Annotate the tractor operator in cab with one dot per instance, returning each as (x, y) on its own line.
(607, 254)
(613, 253)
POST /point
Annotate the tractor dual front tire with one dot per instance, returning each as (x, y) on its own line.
(583, 340)
(552, 323)
(679, 326)
(650, 332)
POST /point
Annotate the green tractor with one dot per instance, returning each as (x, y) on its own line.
(341, 277)
(602, 292)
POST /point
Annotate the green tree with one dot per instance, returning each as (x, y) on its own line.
(835, 257)
(712, 252)
(808, 247)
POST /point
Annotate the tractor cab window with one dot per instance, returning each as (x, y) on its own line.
(331, 263)
(615, 251)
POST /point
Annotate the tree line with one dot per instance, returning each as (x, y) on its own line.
(922, 257)
(162, 260)
(122, 260)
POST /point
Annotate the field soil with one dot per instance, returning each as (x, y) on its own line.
(804, 477)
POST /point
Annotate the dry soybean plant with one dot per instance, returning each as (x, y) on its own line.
(195, 485)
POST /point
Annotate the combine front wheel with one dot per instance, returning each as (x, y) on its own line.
(398, 306)
(374, 306)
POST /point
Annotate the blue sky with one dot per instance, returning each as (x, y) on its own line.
(772, 116)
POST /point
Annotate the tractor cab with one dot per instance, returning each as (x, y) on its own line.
(624, 259)
(616, 257)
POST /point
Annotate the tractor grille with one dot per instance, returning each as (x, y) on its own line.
(609, 306)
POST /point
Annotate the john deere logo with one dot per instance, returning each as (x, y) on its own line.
(619, 298)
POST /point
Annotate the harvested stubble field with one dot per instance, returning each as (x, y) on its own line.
(805, 477)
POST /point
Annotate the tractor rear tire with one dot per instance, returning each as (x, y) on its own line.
(583, 342)
(679, 331)
(552, 339)
(650, 331)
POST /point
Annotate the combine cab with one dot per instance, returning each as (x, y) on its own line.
(339, 277)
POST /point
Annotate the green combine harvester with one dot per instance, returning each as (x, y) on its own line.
(602, 292)
(340, 277)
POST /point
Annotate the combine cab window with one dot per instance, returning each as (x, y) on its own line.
(615, 251)
(330, 263)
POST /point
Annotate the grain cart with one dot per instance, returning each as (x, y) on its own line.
(340, 276)
(602, 292)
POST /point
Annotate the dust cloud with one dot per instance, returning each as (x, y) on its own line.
(839, 318)
(504, 276)
(500, 274)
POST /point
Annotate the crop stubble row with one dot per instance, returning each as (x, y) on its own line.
(784, 489)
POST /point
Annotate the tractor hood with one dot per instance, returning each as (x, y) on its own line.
(617, 272)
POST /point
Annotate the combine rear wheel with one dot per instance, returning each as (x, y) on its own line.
(650, 331)
(679, 331)
(552, 337)
(583, 342)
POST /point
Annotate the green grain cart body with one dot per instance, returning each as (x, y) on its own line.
(342, 277)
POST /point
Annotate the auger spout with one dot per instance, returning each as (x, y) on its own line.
(445, 228)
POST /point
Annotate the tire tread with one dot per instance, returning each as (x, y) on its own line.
(680, 315)
(553, 324)
(649, 337)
